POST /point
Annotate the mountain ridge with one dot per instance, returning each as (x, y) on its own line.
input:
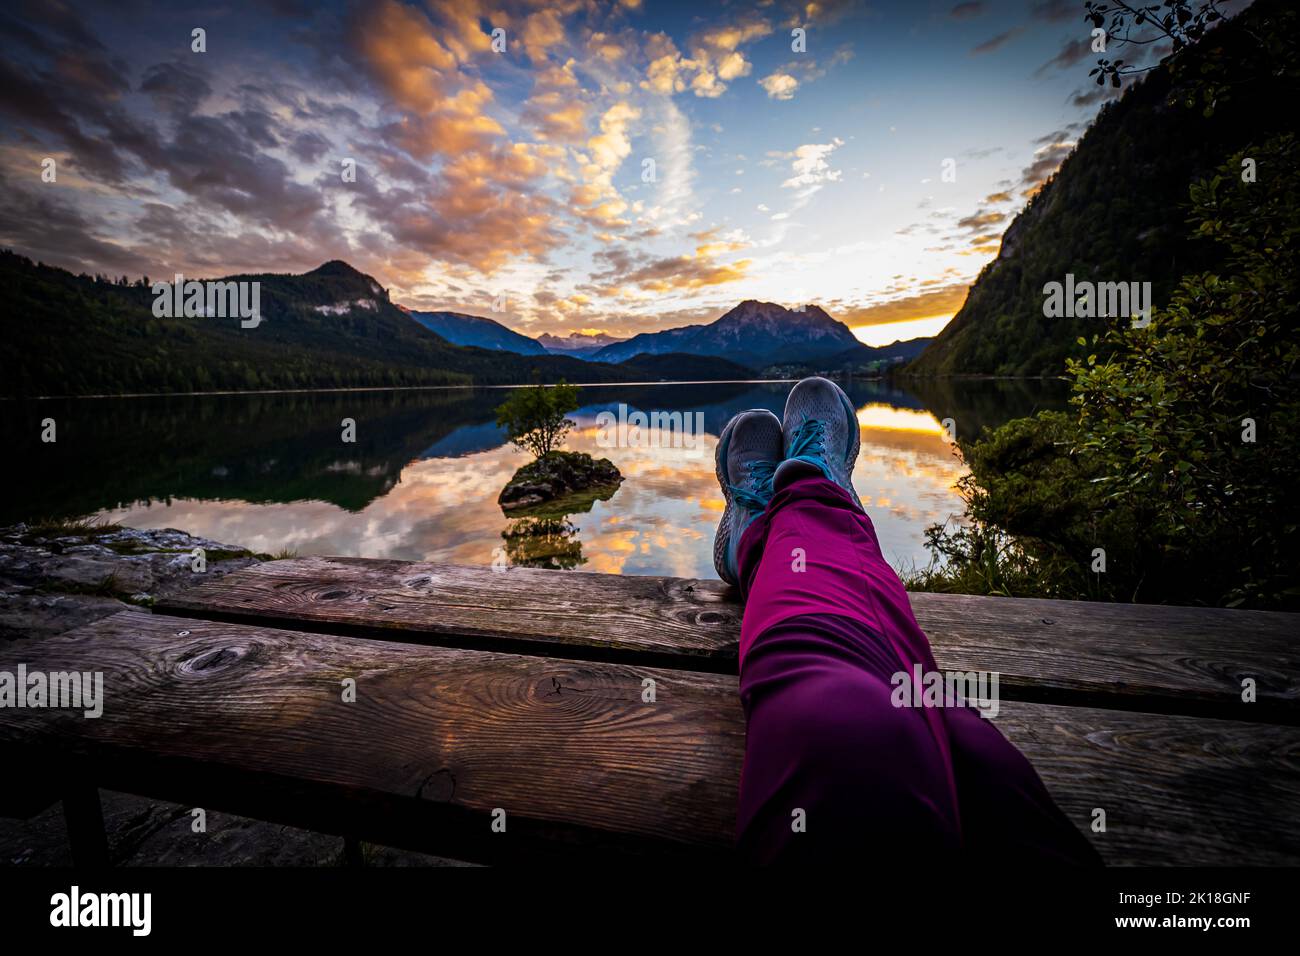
(1113, 212)
(331, 327)
(460, 328)
(577, 344)
(752, 333)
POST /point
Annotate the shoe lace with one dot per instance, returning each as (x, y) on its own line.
(756, 492)
(809, 440)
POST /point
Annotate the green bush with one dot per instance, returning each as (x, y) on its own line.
(534, 418)
(1155, 464)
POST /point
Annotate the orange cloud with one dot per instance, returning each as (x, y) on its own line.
(542, 31)
(923, 305)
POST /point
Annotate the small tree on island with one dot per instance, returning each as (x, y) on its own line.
(534, 418)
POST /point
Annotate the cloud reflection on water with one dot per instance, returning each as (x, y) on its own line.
(660, 521)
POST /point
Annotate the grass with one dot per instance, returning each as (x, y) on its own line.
(69, 527)
(980, 560)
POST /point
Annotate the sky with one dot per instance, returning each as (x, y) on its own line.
(609, 166)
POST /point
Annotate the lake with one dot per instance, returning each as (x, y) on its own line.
(271, 472)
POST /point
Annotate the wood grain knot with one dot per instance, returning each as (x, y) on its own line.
(216, 660)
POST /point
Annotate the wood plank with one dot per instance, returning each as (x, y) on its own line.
(249, 720)
(1146, 657)
(649, 617)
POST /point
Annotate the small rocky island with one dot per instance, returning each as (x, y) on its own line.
(559, 480)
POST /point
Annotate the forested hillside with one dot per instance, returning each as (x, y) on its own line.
(1117, 208)
(332, 327)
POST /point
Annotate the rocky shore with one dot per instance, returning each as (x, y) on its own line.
(53, 578)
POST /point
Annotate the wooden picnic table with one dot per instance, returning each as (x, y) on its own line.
(521, 692)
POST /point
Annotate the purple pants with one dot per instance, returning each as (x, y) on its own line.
(832, 767)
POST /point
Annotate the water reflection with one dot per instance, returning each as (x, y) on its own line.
(270, 472)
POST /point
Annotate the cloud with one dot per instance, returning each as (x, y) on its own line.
(1067, 132)
(782, 82)
(1092, 94)
(477, 172)
(980, 220)
(623, 269)
(991, 44)
(723, 38)
(45, 226)
(733, 66)
(597, 197)
(685, 273)
(673, 199)
(906, 308)
(1055, 11)
(556, 109)
(484, 213)
(1072, 52)
(611, 146)
(715, 58)
(1047, 160)
(811, 169)
(416, 63)
(968, 11)
(779, 86)
(176, 88)
(542, 30)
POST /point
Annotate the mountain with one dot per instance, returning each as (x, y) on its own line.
(683, 367)
(860, 359)
(901, 351)
(753, 334)
(1115, 211)
(333, 327)
(577, 344)
(460, 329)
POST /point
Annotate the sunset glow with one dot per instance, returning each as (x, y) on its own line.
(615, 167)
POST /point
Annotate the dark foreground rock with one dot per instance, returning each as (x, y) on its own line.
(53, 578)
(57, 577)
(557, 477)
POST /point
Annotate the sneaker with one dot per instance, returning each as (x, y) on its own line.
(821, 435)
(747, 455)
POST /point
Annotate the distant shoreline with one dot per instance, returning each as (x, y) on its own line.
(453, 388)
(386, 388)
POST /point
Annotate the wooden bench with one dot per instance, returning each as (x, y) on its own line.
(521, 691)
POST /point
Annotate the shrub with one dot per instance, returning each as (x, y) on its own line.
(534, 418)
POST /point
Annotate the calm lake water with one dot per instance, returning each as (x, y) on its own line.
(270, 472)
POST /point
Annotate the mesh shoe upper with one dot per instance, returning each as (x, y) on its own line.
(748, 452)
(821, 427)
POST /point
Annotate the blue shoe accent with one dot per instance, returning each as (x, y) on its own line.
(809, 445)
(756, 492)
(821, 430)
(745, 469)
